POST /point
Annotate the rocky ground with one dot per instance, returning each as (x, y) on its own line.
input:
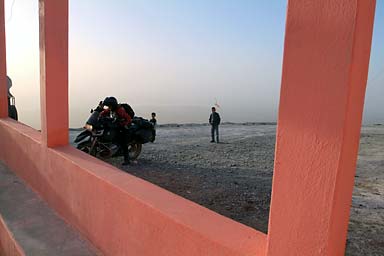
(234, 177)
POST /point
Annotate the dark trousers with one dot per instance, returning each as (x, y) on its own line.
(215, 129)
(123, 140)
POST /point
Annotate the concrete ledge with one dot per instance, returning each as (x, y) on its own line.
(8, 244)
(121, 214)
(28, 225)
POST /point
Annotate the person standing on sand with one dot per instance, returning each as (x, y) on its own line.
(154, 122)
(153, 119)
(214, 121)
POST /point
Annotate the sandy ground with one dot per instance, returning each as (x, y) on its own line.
(234, 177)
(366, 226)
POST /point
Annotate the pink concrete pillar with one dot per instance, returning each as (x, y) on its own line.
(53, 17)
(326, 57)
(3, 65)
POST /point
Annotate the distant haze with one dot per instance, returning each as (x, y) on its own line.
(173, 57)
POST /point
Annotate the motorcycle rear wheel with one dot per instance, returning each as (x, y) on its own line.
(134, 150)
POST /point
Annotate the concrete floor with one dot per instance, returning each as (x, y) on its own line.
(36, 227)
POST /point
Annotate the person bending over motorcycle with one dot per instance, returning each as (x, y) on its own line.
(111, 107)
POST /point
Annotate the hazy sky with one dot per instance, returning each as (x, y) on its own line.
(174, 57)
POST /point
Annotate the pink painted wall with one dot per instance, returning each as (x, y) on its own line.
(119, 213)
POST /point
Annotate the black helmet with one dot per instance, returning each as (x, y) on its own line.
(111, 102)
(9, 83)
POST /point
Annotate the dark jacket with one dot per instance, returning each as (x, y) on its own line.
(153, 121)
(214, 118)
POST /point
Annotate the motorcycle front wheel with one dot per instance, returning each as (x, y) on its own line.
(134, 150)
(86, 147)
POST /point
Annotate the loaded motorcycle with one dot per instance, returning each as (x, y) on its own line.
(100, 134)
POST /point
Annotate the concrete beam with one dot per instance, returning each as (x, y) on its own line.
(325, 68)
(3, 65)
(53, 16)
